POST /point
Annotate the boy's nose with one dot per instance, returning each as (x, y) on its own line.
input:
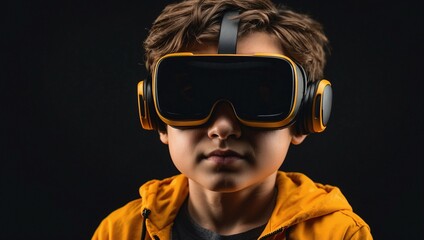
(223, 123)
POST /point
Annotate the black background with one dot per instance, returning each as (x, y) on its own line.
(72, 148)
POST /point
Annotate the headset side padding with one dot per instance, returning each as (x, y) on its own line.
(147, 112)
(316, 108)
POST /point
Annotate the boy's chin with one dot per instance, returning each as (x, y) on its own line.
(226, 182)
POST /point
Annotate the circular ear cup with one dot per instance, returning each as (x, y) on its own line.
(146, 107)
(316, 108)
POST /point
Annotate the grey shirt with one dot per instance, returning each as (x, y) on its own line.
(186, 228)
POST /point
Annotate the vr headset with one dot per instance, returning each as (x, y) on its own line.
(265, 90)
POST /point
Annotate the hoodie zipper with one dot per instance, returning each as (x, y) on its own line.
(146, 212)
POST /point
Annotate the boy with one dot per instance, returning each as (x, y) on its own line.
(232, 84)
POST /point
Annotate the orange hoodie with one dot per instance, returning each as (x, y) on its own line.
(304, 210)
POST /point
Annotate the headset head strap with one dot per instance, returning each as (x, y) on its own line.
(228, 33)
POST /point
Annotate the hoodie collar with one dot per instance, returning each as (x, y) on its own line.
(298, 200)
(164, 199)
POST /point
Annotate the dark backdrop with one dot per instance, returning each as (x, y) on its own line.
(72, 148)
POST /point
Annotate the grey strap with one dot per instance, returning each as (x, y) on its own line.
(228, 33)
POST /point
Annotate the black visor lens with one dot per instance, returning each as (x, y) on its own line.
(261, 89)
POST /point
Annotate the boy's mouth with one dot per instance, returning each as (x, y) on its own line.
(224, 156)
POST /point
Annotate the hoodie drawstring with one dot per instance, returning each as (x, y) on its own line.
(145, 213)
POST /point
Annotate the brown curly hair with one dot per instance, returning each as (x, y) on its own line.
(192, 22)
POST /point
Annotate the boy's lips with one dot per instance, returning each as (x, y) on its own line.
(224, 156)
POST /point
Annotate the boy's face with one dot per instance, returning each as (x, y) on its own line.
(223, 155)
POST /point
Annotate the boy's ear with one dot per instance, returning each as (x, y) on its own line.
(163, 135)
(298, 139)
